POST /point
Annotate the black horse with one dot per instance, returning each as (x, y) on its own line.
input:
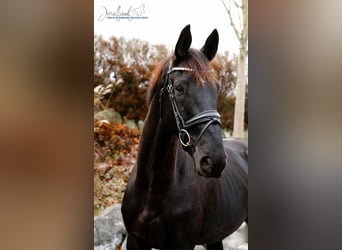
(189, 187)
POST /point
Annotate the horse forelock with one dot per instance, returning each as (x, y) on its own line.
(202, 71)
(195, 60)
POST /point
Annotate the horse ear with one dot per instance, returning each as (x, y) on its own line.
(183, 43)
(210, 47)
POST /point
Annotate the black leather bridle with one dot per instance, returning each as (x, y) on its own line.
(208, 117)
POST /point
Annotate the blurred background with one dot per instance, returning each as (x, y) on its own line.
(47, 121)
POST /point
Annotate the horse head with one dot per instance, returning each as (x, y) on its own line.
(188, 103)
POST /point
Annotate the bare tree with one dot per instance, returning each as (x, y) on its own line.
(239, 23)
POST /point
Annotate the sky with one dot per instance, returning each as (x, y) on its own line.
(165, 20)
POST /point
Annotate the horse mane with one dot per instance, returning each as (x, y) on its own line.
(195, 60)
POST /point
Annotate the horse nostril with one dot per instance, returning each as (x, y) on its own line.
(211, 166)
(206, 162)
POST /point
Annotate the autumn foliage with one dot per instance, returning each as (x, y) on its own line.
(128, 65)
(131, 62)
(115, 147)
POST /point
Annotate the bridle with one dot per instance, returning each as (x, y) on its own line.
(208, 117)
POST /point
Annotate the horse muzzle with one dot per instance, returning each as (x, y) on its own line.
(211, 166)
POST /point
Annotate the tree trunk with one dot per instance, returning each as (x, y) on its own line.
(239, 111)
(241, 33)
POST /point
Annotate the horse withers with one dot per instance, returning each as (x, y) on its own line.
(189, 186)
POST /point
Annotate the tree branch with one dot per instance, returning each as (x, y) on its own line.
(239, 13)
(237, 5)
(237, 33)
(244, 10)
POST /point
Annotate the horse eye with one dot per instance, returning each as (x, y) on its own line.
(180, 88)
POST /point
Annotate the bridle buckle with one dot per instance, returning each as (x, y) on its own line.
(188, 138)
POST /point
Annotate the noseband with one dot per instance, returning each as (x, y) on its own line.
(208, 117)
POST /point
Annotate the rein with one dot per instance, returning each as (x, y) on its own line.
(209, 116)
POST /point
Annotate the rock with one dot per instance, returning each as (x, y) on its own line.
(238, 240)
(109, 230)
(109, 114)
(131, 123)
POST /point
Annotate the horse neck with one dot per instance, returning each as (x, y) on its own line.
(157, 153)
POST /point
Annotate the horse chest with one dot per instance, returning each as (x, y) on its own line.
(149, 226)
(156, 218)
